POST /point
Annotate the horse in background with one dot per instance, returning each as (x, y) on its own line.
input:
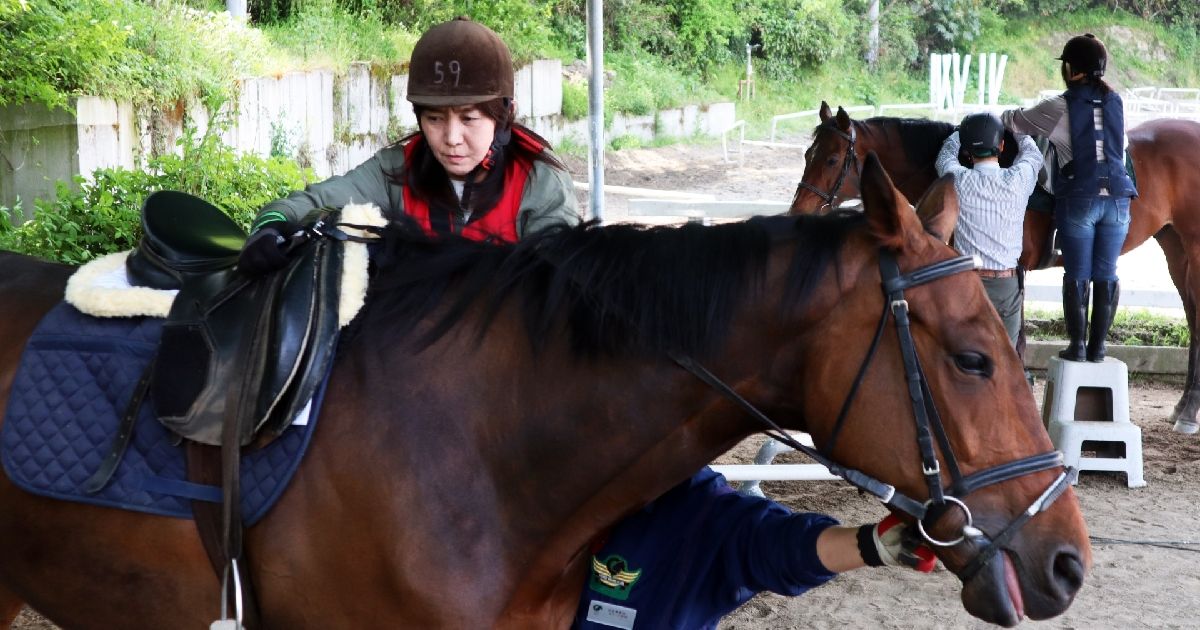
(1165, 154)
(494, 408)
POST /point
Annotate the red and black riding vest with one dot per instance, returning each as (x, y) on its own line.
(501, 222)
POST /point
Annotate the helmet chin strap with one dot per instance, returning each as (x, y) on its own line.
(500, 140)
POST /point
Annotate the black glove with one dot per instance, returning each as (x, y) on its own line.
(263, 252)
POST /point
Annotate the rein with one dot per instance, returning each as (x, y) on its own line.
(851, 160)
(929, 427)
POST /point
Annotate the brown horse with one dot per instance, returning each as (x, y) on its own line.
(494, 408)
(1164, 152)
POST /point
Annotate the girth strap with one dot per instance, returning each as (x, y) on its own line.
(120, 443)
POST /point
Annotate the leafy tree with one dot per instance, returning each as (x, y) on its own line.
(800, 34)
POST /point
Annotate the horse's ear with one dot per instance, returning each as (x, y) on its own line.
(825, 113)
(938, 208)
(891, 220)
(843, 119)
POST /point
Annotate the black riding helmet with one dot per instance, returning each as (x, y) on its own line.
(981, 134)
(1085, 53)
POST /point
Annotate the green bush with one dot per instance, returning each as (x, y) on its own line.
(643, 85)
(322, 34)
(51, 48)
(626, 142)
(803, 34)
(125, 50)
(525, 26)
(102, 215)
(705, 30)
(574, 100)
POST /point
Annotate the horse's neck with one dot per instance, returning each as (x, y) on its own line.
(911, 174)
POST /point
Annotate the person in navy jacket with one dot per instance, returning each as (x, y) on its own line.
(1092, 190)
(702, 550)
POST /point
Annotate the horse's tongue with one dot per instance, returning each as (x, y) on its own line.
(1014, 587)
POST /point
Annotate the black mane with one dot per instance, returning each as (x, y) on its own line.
(617, 289)
(920, 138)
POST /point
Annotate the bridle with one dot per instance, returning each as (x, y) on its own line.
(851, 160)
(929, 427)
(848, 162)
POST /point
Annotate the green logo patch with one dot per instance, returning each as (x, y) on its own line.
(613, 577)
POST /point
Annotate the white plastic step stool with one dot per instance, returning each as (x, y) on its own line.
(1088, 404)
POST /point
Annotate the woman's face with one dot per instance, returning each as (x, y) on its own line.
(458, 136)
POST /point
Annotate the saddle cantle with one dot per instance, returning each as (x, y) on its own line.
(182, 235)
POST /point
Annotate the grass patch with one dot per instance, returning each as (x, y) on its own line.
(1131, 327)
(323, 35)
(1141, 52)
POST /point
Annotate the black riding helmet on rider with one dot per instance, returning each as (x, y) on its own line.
(981, 135)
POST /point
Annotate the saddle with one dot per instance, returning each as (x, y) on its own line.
(273, 336)
(239, 357)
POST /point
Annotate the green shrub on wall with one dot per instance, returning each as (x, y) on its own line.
(103, 215)
(122, 49)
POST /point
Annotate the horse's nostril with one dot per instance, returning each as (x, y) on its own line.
(1068, 572)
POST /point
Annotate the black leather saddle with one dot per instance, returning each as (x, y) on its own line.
(270, 337)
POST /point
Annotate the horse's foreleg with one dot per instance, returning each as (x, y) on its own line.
(1180, 262)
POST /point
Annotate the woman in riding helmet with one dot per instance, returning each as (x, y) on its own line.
(470, 169)
(1086, 128)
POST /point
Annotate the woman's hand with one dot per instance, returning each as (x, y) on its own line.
(263, 252)
(893, 546)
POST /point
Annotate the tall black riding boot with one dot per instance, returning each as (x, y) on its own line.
(1104, 307)
(1075, 313)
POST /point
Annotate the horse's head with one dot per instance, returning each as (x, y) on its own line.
(936, 402)
(831, 164)
(907, 147)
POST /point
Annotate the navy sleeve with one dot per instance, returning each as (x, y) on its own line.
(700, 551)
(769, 548)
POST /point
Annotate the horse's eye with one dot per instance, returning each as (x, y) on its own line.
(974, 363)
(832, 161)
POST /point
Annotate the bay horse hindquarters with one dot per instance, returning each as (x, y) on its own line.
(1166, 160)
(497, 408)
(1164, 153)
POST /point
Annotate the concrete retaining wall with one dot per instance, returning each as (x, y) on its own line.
(1140, 359)
(326, 121)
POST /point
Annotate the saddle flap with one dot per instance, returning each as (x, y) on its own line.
(278, 331)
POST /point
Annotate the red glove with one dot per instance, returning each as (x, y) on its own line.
(891, 543)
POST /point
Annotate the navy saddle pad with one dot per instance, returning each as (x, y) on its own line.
(73, 383)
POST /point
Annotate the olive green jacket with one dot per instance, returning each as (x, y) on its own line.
(548, 200)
